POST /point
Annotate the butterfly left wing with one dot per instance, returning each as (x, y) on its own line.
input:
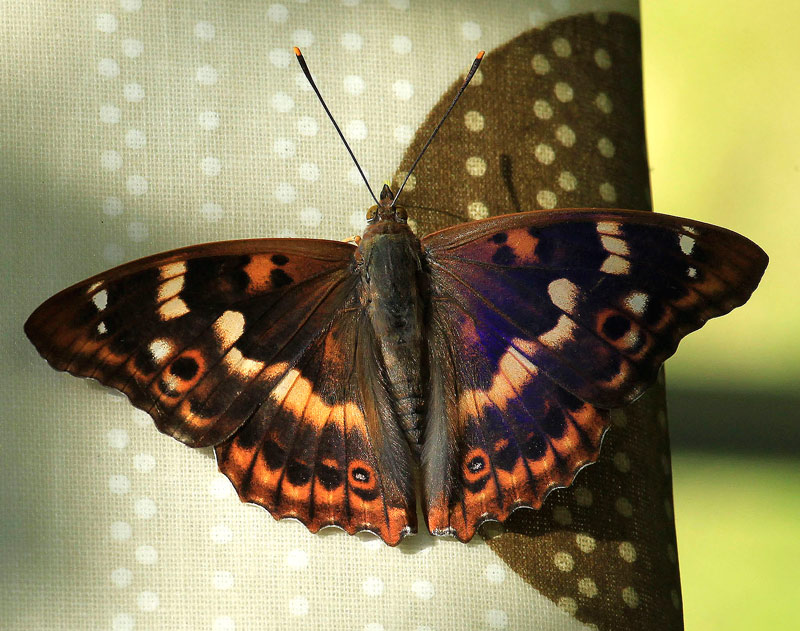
(260, 345)
(316, 450)
(540, 322)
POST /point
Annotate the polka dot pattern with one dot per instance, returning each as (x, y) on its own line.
(612, 559)
(567, 136)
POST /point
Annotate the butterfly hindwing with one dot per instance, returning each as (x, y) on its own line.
(543, 320)
(197, 337)
(316, 450)
(500, 433)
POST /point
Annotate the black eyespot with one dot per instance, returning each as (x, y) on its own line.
(500, 237)
(615, 327)
(476, 464)
(184, 368)
(361, 475)
(279, 259)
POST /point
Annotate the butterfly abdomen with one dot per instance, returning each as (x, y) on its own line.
(395, 304)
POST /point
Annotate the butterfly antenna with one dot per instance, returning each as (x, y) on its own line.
(306, 72)
(463, 87)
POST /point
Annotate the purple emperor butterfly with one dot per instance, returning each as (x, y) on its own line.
(329, 376)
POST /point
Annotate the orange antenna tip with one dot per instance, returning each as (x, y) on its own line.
(478, 56)
(297, 52)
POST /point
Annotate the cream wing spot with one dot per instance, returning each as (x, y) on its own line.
(173, 308)
(563, 294)
(514, 372)
(559, 334)
(228, 328)
(280, 391)
(636, 302)
(687, 244)
(609, 227)
(616, 265)
(691, 272)
(172, 382)
(244, 366)
(170, 288)
(160, 349)
(615, 245)
(100, 299)
(101, 328)
(298, 396)
(172, 269)
(630, 339)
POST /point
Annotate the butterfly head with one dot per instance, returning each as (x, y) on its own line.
(386, 210)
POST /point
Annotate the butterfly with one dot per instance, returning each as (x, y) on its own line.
(477, 363)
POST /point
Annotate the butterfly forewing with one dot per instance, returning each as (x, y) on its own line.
(540, 322)
(197, 337)
(598, 299)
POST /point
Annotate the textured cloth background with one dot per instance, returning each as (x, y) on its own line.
(131, 127)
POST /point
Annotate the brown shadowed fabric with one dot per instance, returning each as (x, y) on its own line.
(554, 119)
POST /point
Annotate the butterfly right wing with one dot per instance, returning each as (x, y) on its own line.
(542, 321)
(500, 433)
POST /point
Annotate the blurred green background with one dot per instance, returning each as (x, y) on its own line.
(722, 99)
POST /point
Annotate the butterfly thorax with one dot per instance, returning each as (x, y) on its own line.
(394, 298)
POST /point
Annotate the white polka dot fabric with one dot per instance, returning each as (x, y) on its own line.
(136, 126)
